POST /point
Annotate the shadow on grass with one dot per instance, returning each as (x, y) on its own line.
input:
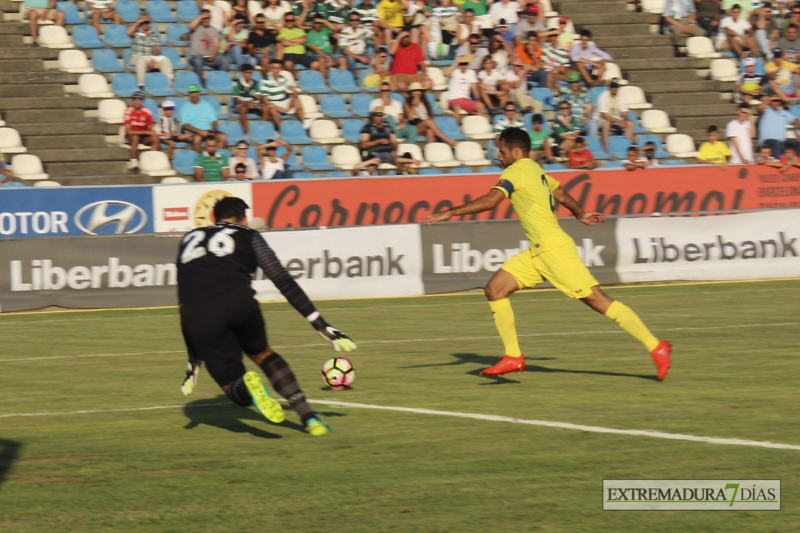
(9, 450)
(230, 417)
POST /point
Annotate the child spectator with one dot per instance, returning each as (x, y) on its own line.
(749, 86)
(168, 129)
(540, 141)
(407, 165)
(239, 173)
(635, 161)
(789, 158)
(713, 151)
(6, 174)
(766, 158)
(580, 157)
(649, 152)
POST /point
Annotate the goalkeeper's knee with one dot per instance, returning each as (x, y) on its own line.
(238, 393)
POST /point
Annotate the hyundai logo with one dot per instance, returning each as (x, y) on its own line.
(129, 219)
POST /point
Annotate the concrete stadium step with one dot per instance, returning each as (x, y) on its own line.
(68, 155)
(700, 123)
(722, 109)
(48, 102)
(699, 86)
(11, 29)
(63, 142)
(28, 52)
(13, 40)
(663, 64)
(645, 76)
(83, 169)
(19, 96)
(641, 52)
(23, 116)
(127, 178)
(50, 129)
(626, 42)
(35, 78)
(687, 99)
(591, 21)
(579, 8)
(20, 65)
(619, 30)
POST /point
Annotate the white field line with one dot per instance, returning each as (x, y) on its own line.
(441, 339)
(474, 416)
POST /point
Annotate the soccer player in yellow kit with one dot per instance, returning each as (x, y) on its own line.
(552, 254)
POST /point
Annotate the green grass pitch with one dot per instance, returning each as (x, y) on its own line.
(199, 464)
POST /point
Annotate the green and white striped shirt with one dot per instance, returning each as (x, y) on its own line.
(554, 57)
(275, 90)
(504, 124)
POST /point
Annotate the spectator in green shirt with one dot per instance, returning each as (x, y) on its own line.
(293, 40)
(210, 165)
(566, 128)
(319, 42)
(540, 141)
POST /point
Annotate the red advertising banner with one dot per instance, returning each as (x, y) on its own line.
(400, 199)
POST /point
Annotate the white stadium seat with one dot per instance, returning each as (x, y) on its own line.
(548, 8)
(47, 183)
(653, 6)
(477, 127)
(471, 154)
(310, 107)
(156, 164)
(655, 121)
(254, 8)
(613, 71)
(325, 132)
(345, 156)
(28, 167)
(55, 37)
(701, 47)
(437, 77)
(288, 75)
(724, 70)
(174, 179)
(74, 62)
(415, 152)
(553, 24)
(94, 86)
(112, 111)
(681, 145)
(2, 122)
(635, 98)
(440, 155)
(225, 5)
(10, 141)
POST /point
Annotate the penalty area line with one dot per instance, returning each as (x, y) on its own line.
(456, 414)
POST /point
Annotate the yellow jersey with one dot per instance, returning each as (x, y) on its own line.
(391, 13)
(716, 153)
(531, 193)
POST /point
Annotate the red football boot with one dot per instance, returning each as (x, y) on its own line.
(507, 364)
(661, 358)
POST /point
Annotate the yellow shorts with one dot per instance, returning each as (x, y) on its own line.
(560, 266)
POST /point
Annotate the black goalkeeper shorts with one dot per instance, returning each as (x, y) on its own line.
(219, 329)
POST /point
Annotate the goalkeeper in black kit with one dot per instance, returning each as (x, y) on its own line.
(220, 318)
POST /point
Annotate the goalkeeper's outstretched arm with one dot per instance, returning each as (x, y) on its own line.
(487, 202)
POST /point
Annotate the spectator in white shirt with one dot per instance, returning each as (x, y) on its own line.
(463, 92)
(507, 10)
(393, 114)
(516, 81)
(240, 158)
(491, 83)
(352, 41)
(467, 28)
(218, 16)
(612, 114)
(735, 33)
(634, 160)
(588, 59)
(740, 132)
(680, 16)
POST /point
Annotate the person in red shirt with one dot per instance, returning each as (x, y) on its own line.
(139, 128)
(580, 157)
(407, 62)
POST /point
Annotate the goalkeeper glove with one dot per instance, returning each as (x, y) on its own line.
(338, 340)
(192, 370)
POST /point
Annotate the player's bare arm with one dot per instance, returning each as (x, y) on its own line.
(564, 198)
(486, 202)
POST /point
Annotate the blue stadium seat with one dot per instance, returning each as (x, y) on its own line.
(644, 139)
(126, 59)
(114, 35)
(359, 103)
(71, 13)
(795, 110)
(293, 133)
(342, 81)
(312, 82)
(174, 33)
(175, 58)
(618, 146)
(434, 104)
(219, 82)
(86, 37)
(291, 162)
(233, 130)
(105, 60)
(186, 78)
(186, 10)
(612, 164)
(128, 10)
(633, 117)
(449, 127)
(491, 170)
(252, 154)
(179, 103)
(430, 171)
(124, 84)
(673, 163)
(304, 175)
(351, 129)
(399, 97)
(333, 106)
(156, 84)
(160, 11)
(545, 96)
(528, 119)
(461, 170)
(594, 145)
(216, 106)
(490, 149)
(153, 106)
(316, 158)
(225, 152)
(595, 93)
(183, 161)
(261, 131)
(13, 185)
(337, 174)
(361, 75)
(554, 166)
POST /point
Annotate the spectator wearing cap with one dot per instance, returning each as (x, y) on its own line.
(508, 120)
(279, 93)
(36, 10)
(679, 17)
(211, 165)
(138, 122)
(408, 63)
(750, 82)
(463, 92)
(772, 125)
(566, 37)
(516, 83)
(102, 10)
(168, 128)
(735, 33)
(740, 132)
(588, 59)
(473, 49)
(393, 114)
(293, 40)
(555, 62)
(272, 166)
(580, 102)
(247, 98)
(505, 9)
(532, 22)
(390, 20)
(781, 77)
(204, 50)
(146, 49)
(240, 158)
(612, 114)
(377, 139)
(234, 43)
(352, 42)
(261, 42)
(419, 115)
(199, 118)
